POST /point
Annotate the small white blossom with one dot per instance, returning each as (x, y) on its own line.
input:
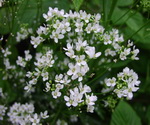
(21, 62)
(35, 41)
(44, 115)
(90, 100)
(35, 120)
(56, 93)
(111, 82)
(45, 76)
(90, 51)
(6, 52)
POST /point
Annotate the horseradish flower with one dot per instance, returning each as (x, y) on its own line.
(90, 51)
(35, 41)
(44, 115)
(35, 120)
(111, 82)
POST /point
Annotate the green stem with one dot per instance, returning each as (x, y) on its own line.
(113, 5)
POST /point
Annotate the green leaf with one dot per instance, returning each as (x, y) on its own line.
(135, 22)
(77, 4)
(124, 2)
(119, 16)
(125, 115)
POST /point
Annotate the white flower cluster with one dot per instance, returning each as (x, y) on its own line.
(23, 61)
(6, 61)
(2, 111)
(77, 36)
(80, 68)
(70, 51)
(124, 85)
(23, 114)
(76, 96)
(116, 48)
(23, 33)
(83, 26)
(43, 62)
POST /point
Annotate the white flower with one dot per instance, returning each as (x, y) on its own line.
(80, 60)
(28, 56)
(56, 93)
(131, 83)
(2, 111)
(6, 52)
(110, 52)
(84, 89)
(56, 35)
(28, 87)
(97, 28)
(89, 28)
(66, 27)
(125, 53)
(21, 62)
(35, 41)
(70, 51)
(65, 80)
(97, 17)
(107, 39)
(90, 51)
(47, 88)
(29, 74)
(72, 69)
(42, 30)
(135, 52)
(75, 98)
(45, 61)
(7, 63)
(90, 100)
(35, 120)
(44, 115)
(33, 81)
(20, 114)
(85, 16)
(110, 82)
(90, 108)
(59, 86)
(69, 101)
(44, 75)
(58, 78)
(80, 44)
(23, 33)
(79, 26)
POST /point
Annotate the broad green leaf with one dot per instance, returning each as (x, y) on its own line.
(135, 22)
(125, 115)
(77, 4)
(119, 16)
(124, 2)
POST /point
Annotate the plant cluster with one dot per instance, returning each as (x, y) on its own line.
(71, 51)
